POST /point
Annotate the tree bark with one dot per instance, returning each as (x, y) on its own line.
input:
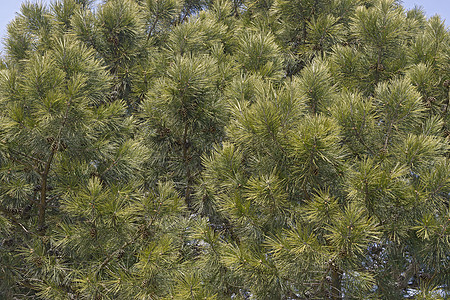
(43, 199)
(336, 276)
(187, 194)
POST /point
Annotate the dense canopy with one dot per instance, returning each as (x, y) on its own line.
(225, 149)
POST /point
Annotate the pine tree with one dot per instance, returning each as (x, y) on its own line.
(226, 149)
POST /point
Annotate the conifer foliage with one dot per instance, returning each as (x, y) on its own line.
(224, 149)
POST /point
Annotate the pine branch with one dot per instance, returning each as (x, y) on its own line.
(43, 200)
(324, 278)
(114, 163)
(187, 195)
(19, 161)
(28, 156)
(115, 253)
(127, 243)
(152, 27)
(388, 135)
(15, 220)
(44, 176)
(447, 100)
(358, 135)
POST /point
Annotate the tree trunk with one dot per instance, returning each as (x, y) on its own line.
(43, 197)
(187, 194)
(336, 276)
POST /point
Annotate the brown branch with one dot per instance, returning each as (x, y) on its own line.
(108, 259)
(358, 135)
(388, 134)
(324, 279)
(43, 200)
(336, 277)
(110, 167)
(15, 220)
(127, 243)
(44, 176)
(19, 161)
(153, 27)
(187, 194)
(28, 156)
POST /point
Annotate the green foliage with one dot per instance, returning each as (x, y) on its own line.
(226, 149)
(258, 53)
